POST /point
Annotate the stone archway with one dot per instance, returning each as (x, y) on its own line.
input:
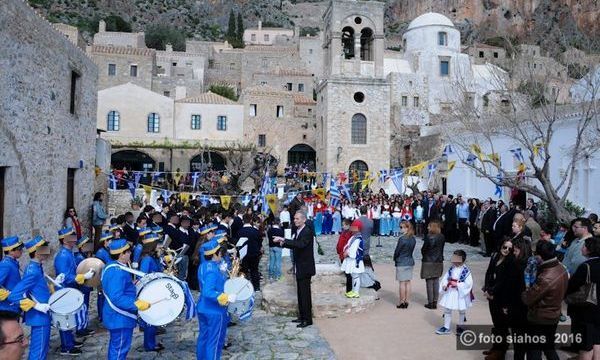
(210, 160)
(301, 153)
(132, 160)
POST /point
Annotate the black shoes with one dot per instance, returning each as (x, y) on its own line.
(403, 305)
(297, 321)
(432, 305)
(72, 352)
(158, 348)
(304, 324)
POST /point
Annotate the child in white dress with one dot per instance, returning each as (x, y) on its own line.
(456, 292)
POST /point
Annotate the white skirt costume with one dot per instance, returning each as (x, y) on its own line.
(353, 247)
(460, 297)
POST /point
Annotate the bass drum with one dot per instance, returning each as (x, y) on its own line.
(164, 294)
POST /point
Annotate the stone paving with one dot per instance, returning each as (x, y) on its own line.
(265, 336)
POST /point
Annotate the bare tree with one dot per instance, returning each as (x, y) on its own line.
(525, 102)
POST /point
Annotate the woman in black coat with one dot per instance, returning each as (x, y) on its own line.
(588, 324)
(432, 265)
(495, 289)
(474, 208)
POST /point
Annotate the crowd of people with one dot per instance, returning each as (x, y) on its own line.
(534, 265)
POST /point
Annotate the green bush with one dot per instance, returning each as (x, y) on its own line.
(158, 36)
(117, 23)
(225, 91)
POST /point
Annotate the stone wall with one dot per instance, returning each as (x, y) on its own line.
(39, 136)
(123, 58)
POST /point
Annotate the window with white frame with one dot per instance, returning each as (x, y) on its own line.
(443, 38)
(279, 111)
(153, 123)
(196, 122)
(113, 119)
(252, 110)
(222, 123)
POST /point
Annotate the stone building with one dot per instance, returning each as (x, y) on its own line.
(119, 65)
(179, 70)
(482, 53)
(47, 125)
(265, 35)
(281, 122)
(150, 131)
(353, 99)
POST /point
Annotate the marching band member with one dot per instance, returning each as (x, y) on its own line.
(86, 248)
(104, 255)
(35, 304)
(65, 266)
(211, 308)
(120, 312)
(137, 250)
(9, 272)
(150, 263)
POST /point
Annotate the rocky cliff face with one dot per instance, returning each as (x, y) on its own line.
(544, 22)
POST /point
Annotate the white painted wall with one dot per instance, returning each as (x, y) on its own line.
(208, 130)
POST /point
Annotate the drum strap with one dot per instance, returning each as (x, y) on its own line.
(112, 306)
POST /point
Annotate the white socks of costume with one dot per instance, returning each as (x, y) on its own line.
(448, 318)
(356, 283)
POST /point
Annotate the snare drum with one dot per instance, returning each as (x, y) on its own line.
(243, 306)
(165, 296)
(65, 306)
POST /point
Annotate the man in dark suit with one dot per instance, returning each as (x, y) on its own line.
(487, 227)
(254, 249)
(502, 226)
(450, 220)
(236, 224)
(294, 206)
(304, 262)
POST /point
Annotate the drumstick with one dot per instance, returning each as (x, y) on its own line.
(60, 297)
(52, 280)
(161, 300)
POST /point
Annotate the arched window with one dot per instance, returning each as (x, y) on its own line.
(359, 129)
(348, 42)
(153, 123)
(114, 121)
(366, 44)
(443, 38)
(359, 166)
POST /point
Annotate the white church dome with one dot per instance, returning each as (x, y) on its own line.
(429, 19)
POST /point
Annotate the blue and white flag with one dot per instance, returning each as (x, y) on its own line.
(195, 177)
(431, 168)
(518, 154)
(155, 175)
(345, 189)
(190, 305)
(204, 199)
(383, 174)
(246, 199)
(498, 191)
(448, 150)
(166, 194)
(137, 176)
(290, 196)
(131, 187)
(471, 159)
(334, 194)
(398, 180)
(112, 182)
(266, 184)
(325, 180)
(265, 206)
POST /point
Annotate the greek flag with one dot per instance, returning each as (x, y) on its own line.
(265, 206)
(81, 318)
(448, 150)
(325, 178)
(195, 177)
(204, 199)
(166, 194)
(431, 170)
(131, 186)
(471, 159)
(498, 191)
(518, 154)
(290, 196)
(266, 184)
(246, 199)
(155, 175)
(346, 191)
(398, 180)
(137, 176)
(190, 305)
(383, 174)
(334, 194)
(112, 182)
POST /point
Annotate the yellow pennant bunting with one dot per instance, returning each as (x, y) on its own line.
(177, 176)
(148, 191)
(272, 202)
(451, 165)
(477, 150)
(536, 148)
(185, 197)
(416, 169)
(225, 201)
(495, 158)
(320, 193)
(521, 168)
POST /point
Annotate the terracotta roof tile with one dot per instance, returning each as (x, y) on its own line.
(122, 50)
(207, 98)
(300, 99)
